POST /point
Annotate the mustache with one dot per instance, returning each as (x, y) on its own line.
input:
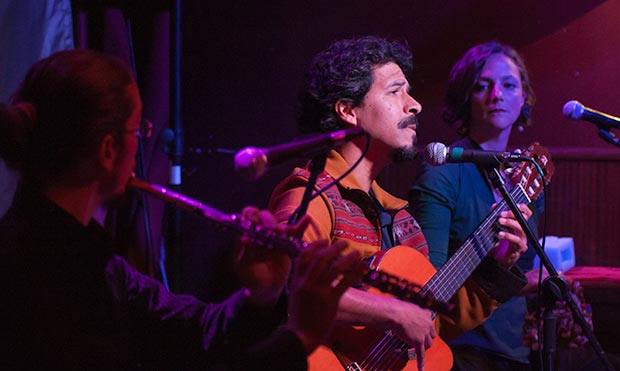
(410, 120)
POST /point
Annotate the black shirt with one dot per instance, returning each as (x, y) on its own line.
(71, 303)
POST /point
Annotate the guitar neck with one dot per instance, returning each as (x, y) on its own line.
(451, 276)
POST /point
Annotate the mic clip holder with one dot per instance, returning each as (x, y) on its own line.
(608, 136)
(552, 284)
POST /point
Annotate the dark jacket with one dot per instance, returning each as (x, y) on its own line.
(71, 303)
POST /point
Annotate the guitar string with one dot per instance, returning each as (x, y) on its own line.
(401, 348)
(384, 362)
(470, 255)
(374, 353)
(393, 355)
(397, 354)
(463, 256)
(369, 362)
(379, 359)
(474, 256)
(390, 345)
(378, 352)
(447, 280)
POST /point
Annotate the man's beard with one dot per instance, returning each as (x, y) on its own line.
(410, 152)
(405, 153)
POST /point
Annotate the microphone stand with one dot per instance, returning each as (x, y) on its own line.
(316, 166)
(171, 251)
(554, 287)
(608, 136)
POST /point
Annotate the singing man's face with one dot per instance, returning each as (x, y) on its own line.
(388, 113)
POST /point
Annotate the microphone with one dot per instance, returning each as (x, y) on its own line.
(438, 154)
(252, 162)
(577, 111)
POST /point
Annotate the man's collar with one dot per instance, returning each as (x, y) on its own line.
(337, 165)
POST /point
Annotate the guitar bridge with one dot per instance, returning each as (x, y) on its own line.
(354, 367)
(411, 355)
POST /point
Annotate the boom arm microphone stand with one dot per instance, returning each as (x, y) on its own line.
(554, 287)
(608, 136)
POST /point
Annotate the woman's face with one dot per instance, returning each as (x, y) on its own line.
(497, 96)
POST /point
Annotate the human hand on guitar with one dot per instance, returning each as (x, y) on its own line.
(408, 322)
(512, 239)
(414, 326)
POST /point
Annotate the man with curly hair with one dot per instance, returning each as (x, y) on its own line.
(362, 82)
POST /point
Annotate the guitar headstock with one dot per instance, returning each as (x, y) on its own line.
(527, 175)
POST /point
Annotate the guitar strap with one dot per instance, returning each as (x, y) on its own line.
(386, 223)
(356, 218)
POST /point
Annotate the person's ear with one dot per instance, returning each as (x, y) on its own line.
(345, 110)
(108, 149)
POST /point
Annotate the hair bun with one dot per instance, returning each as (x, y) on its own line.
(23, 115)
(17, 122)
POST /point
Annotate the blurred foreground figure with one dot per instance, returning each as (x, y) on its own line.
(72, 130)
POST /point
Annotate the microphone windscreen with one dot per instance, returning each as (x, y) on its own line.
(573, 110)
(251, 163)
(436, 153)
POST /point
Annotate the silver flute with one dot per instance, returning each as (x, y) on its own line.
(265, 237)
(400, 288)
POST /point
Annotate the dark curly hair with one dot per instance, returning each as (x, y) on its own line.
(65, 105)
(344, 71)
(465, 73)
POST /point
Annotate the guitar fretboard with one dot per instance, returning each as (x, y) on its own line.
(451, 276)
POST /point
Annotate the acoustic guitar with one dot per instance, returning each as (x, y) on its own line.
(354, 348)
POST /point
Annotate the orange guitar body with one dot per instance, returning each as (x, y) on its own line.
(350, 345)
(349, 348)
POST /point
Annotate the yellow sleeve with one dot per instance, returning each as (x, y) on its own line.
(287, 197)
